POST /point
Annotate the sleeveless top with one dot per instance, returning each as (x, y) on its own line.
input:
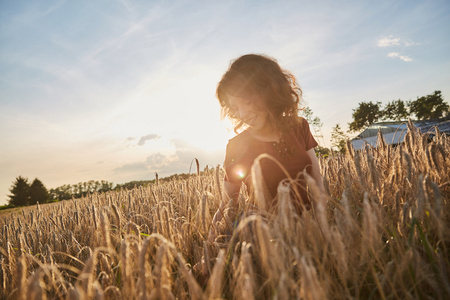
(243, 149)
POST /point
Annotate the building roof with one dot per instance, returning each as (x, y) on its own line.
(394, 132)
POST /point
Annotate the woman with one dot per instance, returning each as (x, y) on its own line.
(263, 99)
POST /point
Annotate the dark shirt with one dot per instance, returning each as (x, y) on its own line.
(243, 149)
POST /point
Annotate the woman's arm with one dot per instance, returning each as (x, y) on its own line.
(230, 192)
(316, 169)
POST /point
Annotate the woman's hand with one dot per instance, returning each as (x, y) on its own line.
(316, 170)
(231, 192)
(216, 219)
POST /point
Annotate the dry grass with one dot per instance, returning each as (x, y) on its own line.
(383, 234)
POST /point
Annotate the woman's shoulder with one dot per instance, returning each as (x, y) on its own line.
(240, 138)
(303, 133)
(239, 143)
(300, 125)
(302, 121)
(299, 129)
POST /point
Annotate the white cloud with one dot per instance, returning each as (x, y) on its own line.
(391, 41)
(393, 54)
(166, 164)
(397, 55)
(160, 161)
(180, 144)
(388, 41)
(147, 137)
(410, 43)
(135, 167)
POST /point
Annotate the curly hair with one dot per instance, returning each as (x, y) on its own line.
(255, 74)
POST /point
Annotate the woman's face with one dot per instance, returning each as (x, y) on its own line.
(246, 110)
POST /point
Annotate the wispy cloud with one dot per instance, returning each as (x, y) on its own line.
(388, 41)
(391, 41)
(397, 55)
(410, 43)
(165, 164)
(160, 161)
(147, 137)
(133, 168)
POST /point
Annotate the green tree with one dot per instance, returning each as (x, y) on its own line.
(365, 115)
(429, 107)
(314, 122)
(319, 150)
(395, 110)
(105, 186)
(20, 192)
(38, 192)
(338, 138)
(61, 193)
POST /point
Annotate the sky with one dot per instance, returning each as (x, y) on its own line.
(118, 90)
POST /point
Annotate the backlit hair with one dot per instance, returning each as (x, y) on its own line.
(254, 74)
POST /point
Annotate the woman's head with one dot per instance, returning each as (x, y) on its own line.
(260, 77)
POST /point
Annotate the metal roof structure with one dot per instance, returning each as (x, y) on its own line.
(394, 132)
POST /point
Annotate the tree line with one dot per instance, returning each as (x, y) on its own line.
(427, 107)
(23, 193)
(81, 189)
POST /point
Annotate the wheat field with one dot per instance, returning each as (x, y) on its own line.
(383, 234)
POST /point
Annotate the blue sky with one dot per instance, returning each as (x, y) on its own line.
(119, 90)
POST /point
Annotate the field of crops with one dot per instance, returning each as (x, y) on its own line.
(383, 234)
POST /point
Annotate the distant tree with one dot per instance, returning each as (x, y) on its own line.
(81, 189)
(429, 107)
(77, 189)
(365, 115)
(20, 192)
(38, 192)
(338, 138)
(105, 186)
(91, 186)
(319, 150)
(314, 122)
(132, 184)
(395, 110)
(63, 192)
